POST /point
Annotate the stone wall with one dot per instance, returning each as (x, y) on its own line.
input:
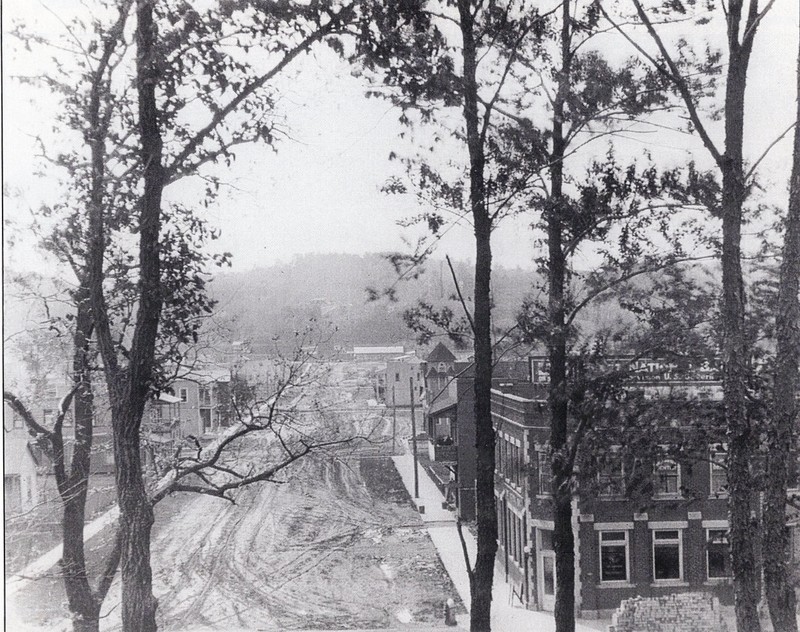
(683, 612)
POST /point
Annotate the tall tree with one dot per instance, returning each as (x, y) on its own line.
(563, 538)
(610, 200)
(486, 512)
(741, 22)
(175, 45)
(514, 165)
(782, 427)
(72, 479)
(484, 48)
(129, 385)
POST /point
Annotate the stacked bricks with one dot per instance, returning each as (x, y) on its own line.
(684, 612)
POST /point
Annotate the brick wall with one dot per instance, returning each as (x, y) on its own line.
(685, 612)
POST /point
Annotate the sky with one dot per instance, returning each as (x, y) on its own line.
(320, 191)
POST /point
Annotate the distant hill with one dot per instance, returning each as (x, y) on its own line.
(276, 301)
(270, 304)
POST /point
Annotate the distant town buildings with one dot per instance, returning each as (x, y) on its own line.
(377, 354)
(397, 383)
(197, 406)
(675, 539)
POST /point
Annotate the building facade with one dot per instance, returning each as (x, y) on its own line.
(197, 405)
(450, 419)
(21, 464)
(397, 381)
(674, 540)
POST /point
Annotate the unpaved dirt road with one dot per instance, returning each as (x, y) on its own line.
(338, 545)
(325, 550)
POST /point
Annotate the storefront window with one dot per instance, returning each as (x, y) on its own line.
(613, 556)
(717, 554)
(667, 555)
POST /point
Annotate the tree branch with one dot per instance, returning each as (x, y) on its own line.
(460, 296)
(470, 572)
(34, 428)
(752, 169)
(221, 114)
(673, 73)
(627, 277)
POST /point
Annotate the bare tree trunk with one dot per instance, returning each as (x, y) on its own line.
(780, 593)
(484, 439)
(563, 539)
(83, 604)
(743, 529)
(735, 357)
(133, 384)
(129, 385)
(136, 520)
(483, 575)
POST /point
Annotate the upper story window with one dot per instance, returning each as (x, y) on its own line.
(546, 538)
(17, 420)
(718, 473)
(667, 479)
(514, 474)
(611, 475)
(183, 393)
(508, 458)
(48, 416)
(205, 396)
(442, 367)
(545, 472)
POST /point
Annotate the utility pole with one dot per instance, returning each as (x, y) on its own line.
(394, 423)
(414, 438)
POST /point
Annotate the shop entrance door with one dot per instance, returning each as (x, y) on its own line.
(547, 570)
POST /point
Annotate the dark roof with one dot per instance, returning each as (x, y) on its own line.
(441, 353)
(440, 405)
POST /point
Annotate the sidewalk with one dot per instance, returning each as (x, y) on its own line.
(442, 530)
(48, 560)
